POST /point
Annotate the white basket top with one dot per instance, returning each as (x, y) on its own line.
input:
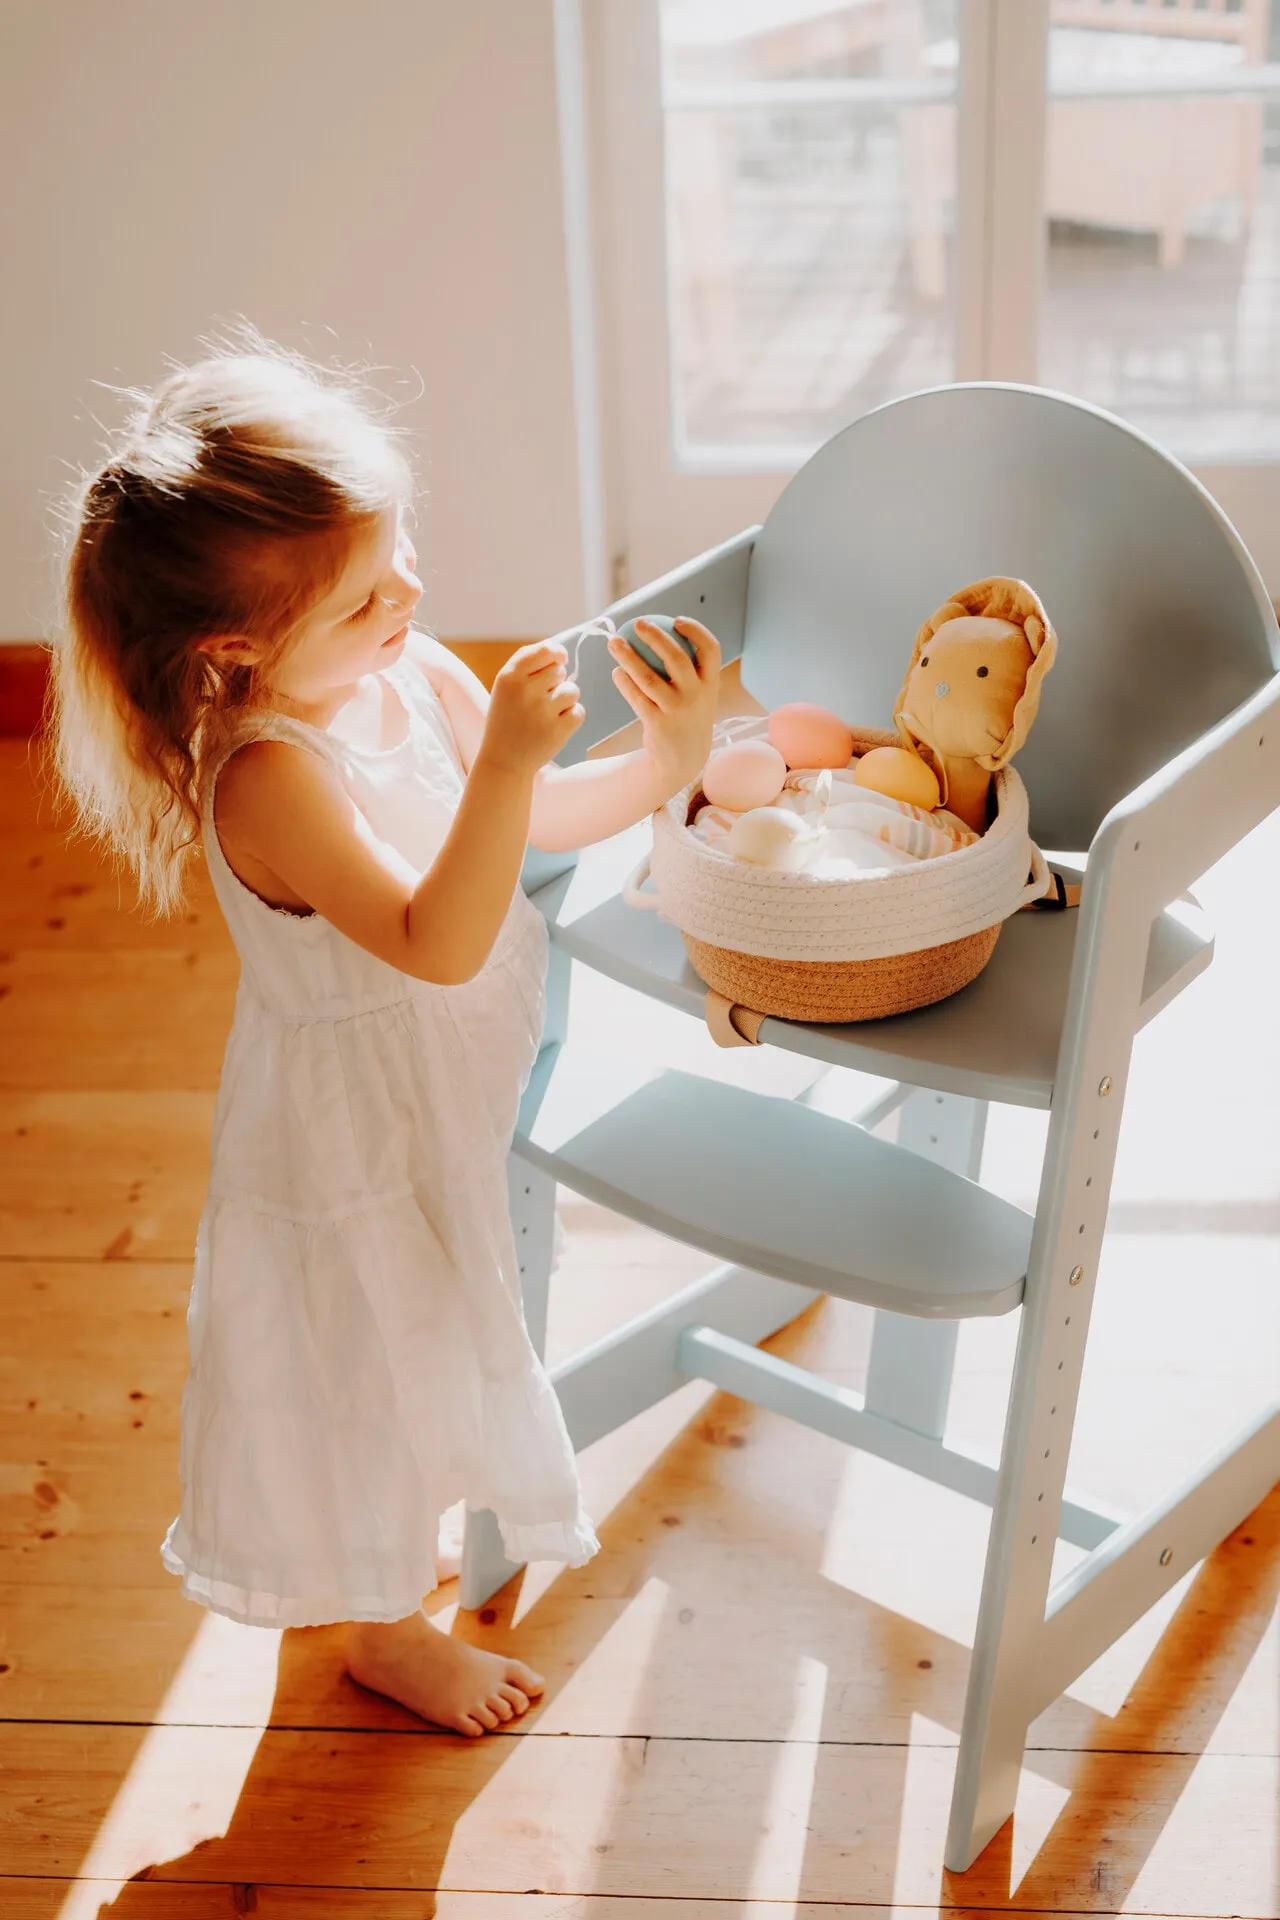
(799, 916)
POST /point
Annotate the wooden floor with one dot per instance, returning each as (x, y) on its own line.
(756, 1688)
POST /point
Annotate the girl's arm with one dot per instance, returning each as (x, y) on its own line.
(574, 806)
(290, 830)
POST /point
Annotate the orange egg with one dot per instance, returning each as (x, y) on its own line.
(900, 775)
(747, 774)
(809, 736)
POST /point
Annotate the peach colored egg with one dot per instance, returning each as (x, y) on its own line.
(809, 736)
(901, 775)
(747, 774)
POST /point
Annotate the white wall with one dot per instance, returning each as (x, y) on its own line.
(385, 168)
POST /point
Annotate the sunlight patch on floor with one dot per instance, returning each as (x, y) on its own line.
(1040, 1804)
(777, 1868)
(918, 1808)
(575, 1839)
(182, 1788)
(619, 1664)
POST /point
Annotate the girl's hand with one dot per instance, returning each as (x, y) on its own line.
(677, 715)
(533, 710)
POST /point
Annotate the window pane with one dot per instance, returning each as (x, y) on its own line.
(1162, 193)
(810, 184)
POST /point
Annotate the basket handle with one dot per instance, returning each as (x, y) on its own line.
(1041, 879)
(632, 885)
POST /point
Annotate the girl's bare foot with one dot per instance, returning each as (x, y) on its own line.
(453, 1526)
(444, 1680)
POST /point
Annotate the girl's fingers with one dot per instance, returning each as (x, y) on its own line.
(543, 656)
(565, 696)
(703, 639)
(661, 692)
(636, 698)
(669, 651)
(551, 671)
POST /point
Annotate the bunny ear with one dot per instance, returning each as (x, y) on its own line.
(1025, 712)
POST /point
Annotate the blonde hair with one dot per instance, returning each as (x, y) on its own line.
(229, 506)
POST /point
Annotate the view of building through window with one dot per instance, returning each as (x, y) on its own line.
(811, 184)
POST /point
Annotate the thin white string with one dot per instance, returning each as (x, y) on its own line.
(599, 629)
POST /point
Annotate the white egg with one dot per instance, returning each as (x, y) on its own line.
(771, 837)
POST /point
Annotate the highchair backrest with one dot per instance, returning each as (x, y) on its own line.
(1163, 623)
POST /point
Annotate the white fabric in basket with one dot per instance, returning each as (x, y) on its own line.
(798, 916)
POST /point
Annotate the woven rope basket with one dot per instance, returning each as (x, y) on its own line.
(804, 948)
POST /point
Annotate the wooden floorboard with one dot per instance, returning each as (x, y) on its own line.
(101, 1176)
(56, 1899)
(702, 1820)
(754, 1691)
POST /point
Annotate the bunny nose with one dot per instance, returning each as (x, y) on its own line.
(942, 689)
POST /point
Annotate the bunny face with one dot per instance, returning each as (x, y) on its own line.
(965, 686)
(983, 718)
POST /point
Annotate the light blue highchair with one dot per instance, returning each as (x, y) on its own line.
(1157, 748)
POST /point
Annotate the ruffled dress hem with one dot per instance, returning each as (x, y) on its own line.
(570, 1544)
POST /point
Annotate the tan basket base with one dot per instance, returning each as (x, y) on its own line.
(833, 992)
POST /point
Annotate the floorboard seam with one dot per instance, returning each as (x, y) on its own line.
(664, 1739)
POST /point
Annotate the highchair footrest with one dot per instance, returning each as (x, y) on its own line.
(775, 1186)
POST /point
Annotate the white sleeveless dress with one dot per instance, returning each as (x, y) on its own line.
(359, 1359)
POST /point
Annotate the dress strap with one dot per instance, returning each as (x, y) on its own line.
(412, 683)
(260, 724)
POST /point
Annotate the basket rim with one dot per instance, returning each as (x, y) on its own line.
(1012, 808)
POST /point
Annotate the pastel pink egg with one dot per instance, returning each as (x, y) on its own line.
(809, 736)
(748, 774)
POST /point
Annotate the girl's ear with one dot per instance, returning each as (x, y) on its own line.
(231, 649)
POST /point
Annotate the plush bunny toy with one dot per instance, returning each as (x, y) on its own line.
(973, 688)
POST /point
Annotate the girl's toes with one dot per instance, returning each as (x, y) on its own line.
(525, 1678)
(468, 1724)
(518, 1701)
(499, 1704)
(485, 1715)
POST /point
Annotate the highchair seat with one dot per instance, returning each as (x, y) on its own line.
(996, 1040)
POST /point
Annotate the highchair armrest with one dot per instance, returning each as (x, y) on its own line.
(1158, 840)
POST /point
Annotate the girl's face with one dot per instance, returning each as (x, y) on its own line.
(361, 625)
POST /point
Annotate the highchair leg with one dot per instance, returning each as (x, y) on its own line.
(909, 1373)
(485, 1566)
(532, 1199)
(1075, 1186)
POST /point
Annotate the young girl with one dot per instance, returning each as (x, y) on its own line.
(239, 663)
